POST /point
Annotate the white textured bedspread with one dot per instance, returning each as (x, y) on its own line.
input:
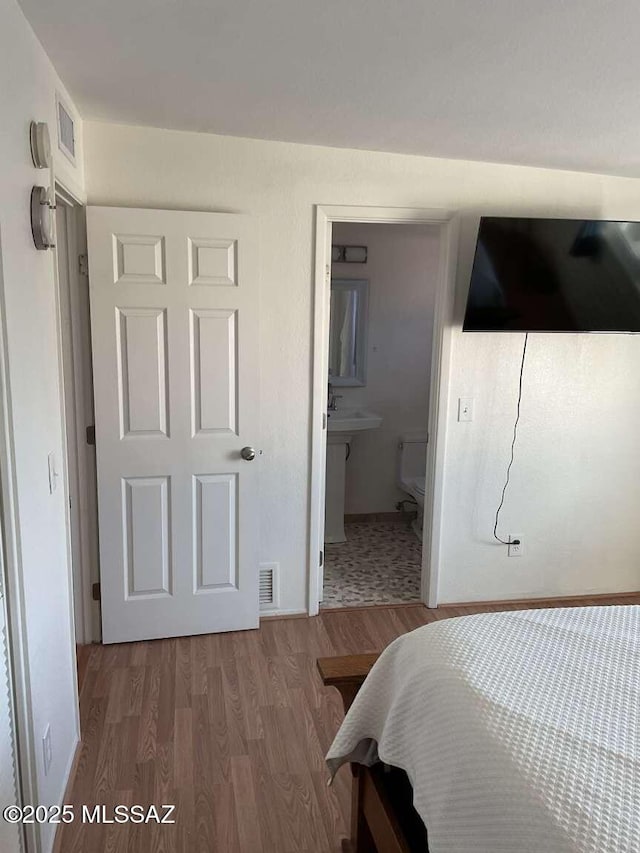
(519, 731)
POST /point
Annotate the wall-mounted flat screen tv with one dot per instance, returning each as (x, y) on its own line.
(555, 275)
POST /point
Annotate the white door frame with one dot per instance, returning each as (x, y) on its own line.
(447, 223)
(74, 343)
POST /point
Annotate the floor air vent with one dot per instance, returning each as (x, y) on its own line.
(268, 586)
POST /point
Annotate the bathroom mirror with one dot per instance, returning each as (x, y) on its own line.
(348, 332)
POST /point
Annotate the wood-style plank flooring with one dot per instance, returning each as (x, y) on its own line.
(232, 728)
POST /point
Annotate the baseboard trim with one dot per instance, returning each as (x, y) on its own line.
(591, 597)
(283, 614)
(533, 602)
(66, 796)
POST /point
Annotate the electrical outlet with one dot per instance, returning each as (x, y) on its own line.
(515, 546)
(47, 755)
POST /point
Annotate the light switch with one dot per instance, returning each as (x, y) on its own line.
(465, 408)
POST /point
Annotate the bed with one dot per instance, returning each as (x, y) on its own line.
(496, 732)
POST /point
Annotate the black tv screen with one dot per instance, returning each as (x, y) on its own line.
(555, 275)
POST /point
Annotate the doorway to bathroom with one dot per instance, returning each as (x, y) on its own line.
(384, 294)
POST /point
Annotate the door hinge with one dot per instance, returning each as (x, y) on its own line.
(324, 420)
(83, 264)
(95, 592)
(91, 434)
(321, 559)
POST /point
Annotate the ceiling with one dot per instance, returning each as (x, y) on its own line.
(539, 82)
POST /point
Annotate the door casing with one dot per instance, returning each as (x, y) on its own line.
(447, 223)
(77, 384)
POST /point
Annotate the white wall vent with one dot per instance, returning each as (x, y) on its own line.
(66, 129)
(269, 598)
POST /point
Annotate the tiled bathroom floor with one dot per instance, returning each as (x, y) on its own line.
(378, 564)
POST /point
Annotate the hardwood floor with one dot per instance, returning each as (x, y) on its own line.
(232, 729)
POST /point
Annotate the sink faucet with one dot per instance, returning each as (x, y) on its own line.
(332, 399)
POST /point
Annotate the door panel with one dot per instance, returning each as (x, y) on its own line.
(146, 536)
(142, 371)
(214, 373)
(174, 317)
(215, 532)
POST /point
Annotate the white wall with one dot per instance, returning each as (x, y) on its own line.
(402, 269)
(29, 306)
(579, 461)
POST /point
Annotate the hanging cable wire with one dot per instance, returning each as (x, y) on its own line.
(513, 445)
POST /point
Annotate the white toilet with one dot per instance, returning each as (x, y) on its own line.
(412, 463)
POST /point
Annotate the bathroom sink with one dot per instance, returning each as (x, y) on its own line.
(342, 427)
(352, 420)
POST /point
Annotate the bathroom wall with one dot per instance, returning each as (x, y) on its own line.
(401, 268)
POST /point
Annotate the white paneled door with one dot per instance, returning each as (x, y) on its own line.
(174, 319)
